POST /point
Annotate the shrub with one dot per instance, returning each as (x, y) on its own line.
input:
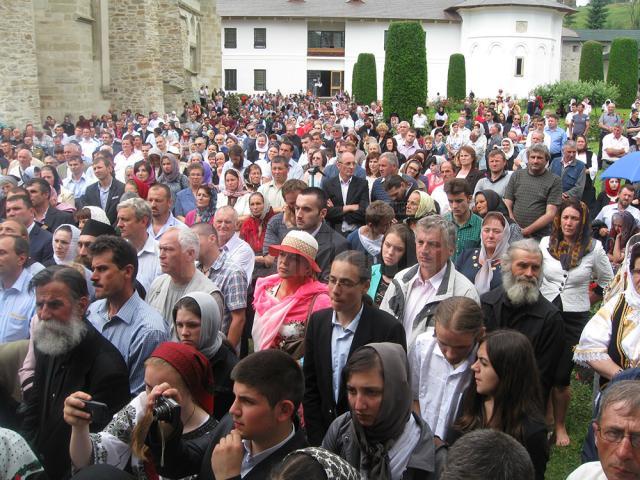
(405, 69)
(623, 70)
(591, 67)
(562, 92)
(354, 81)
(367, 79)
(457, 77)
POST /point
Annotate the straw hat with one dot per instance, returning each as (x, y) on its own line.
(300, 243)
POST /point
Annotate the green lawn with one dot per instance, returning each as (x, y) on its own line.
(618, 17)
(565, 460)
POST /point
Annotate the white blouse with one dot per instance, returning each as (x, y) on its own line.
(573, 285)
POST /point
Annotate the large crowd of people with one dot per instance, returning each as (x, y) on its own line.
(296, 288)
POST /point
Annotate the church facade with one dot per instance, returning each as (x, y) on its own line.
(86, 56)
(312, 45)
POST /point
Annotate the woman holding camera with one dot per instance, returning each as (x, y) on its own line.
(174, 371)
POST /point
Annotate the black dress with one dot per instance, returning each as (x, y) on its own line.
(221, 364)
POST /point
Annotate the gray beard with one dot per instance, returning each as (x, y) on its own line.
(519, 290)
(55, 338)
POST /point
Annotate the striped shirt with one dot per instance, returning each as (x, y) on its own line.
(136, 330)
(18, 306)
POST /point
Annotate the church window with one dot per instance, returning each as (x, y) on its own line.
(519, 67)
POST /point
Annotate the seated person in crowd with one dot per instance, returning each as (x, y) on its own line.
(334, 334)
(383, 438)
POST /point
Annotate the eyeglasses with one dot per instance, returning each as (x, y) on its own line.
(342, 282)
(616, 436)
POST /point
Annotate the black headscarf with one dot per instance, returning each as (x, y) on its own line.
(494, 202)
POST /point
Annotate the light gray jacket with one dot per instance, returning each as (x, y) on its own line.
(454, 284)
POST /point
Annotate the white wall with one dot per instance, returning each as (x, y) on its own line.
(491, 44)
(442, 39)
(284, 59)
(487, 37)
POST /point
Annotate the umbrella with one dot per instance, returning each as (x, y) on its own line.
(627, 167)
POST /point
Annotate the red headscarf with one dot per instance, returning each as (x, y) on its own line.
(194, 369)
(610, 191)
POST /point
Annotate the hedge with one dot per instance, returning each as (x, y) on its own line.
(623, 70)
(456, 77)
(367, 79)
(405, 70)
(591, 66)
(354, 81)
(562, 92)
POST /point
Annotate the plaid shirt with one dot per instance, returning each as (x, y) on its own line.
(467, 235)
(232, 282)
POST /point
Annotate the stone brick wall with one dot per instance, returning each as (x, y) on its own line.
(19, 93)
(570, 66)
(68, 51)
(85, 56)
(134, 42)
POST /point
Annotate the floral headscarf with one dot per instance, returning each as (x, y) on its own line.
(570, 254)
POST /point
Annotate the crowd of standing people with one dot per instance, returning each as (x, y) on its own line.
(294, 288)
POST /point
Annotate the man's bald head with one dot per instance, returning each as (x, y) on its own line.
(24, 158)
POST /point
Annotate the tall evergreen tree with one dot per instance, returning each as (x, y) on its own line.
(597, 17)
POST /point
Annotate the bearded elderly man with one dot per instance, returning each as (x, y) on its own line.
(517, 304)
(71, 356)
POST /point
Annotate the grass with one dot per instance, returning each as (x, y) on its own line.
(618, 17)
(565, 460)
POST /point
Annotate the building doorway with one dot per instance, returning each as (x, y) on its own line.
(325, 83)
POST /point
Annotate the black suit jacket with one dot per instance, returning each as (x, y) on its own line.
(182, 459)
(358, 192)
(40, 246)
(330, 244)
(320, 408)
(92, 197)
(54, 218)
(96, 367)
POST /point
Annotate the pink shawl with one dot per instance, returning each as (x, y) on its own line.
(273, 312)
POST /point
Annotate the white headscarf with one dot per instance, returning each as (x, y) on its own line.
(72, 252)
(485, 274)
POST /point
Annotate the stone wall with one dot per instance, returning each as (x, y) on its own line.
(86, 56)
(134, 42)
(570, 60)
(69, 51)
(19, 93)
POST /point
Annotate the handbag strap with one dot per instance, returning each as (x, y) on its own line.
(310, 311)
